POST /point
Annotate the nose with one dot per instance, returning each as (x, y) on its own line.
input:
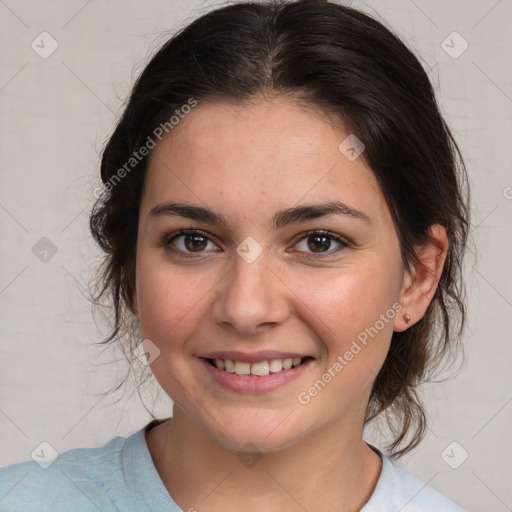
(251, 298)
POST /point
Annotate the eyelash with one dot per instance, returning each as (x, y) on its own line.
(304, 236)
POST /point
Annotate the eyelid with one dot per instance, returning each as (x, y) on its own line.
(188, 231)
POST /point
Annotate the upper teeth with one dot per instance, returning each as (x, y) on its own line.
(260, 368)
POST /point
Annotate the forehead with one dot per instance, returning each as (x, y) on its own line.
(269, 154)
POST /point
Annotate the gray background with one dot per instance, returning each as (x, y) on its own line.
(56, 113)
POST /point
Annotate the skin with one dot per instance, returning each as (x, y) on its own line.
(246, 162)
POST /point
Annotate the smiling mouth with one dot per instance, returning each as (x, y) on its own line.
(260, 368)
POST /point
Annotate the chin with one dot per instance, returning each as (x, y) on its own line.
(252, 434)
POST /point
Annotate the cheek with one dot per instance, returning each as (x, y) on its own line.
(346, 315)
(351, 310)
(170, 299)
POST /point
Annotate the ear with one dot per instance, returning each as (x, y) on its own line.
(421, 279)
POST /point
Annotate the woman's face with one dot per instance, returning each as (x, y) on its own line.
(258, 287)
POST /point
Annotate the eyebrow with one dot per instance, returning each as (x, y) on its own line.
(281, 218)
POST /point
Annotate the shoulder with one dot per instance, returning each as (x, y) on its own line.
(417, 496)
(79, 479)
(399, 490)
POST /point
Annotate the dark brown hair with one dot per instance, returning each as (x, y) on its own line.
(342, 62)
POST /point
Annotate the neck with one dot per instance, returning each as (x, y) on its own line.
(335, 470)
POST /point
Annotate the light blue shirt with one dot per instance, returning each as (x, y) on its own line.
(121, 476)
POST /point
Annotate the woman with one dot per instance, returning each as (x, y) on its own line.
(284, 216)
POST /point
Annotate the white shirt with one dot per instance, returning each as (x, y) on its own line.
(121, 476)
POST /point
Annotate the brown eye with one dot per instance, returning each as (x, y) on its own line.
(195, 242)
(189, 242)
(320, 242)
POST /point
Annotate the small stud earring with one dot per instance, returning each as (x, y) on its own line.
(406, 318)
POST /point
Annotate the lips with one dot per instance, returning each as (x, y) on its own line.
(255, 372)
